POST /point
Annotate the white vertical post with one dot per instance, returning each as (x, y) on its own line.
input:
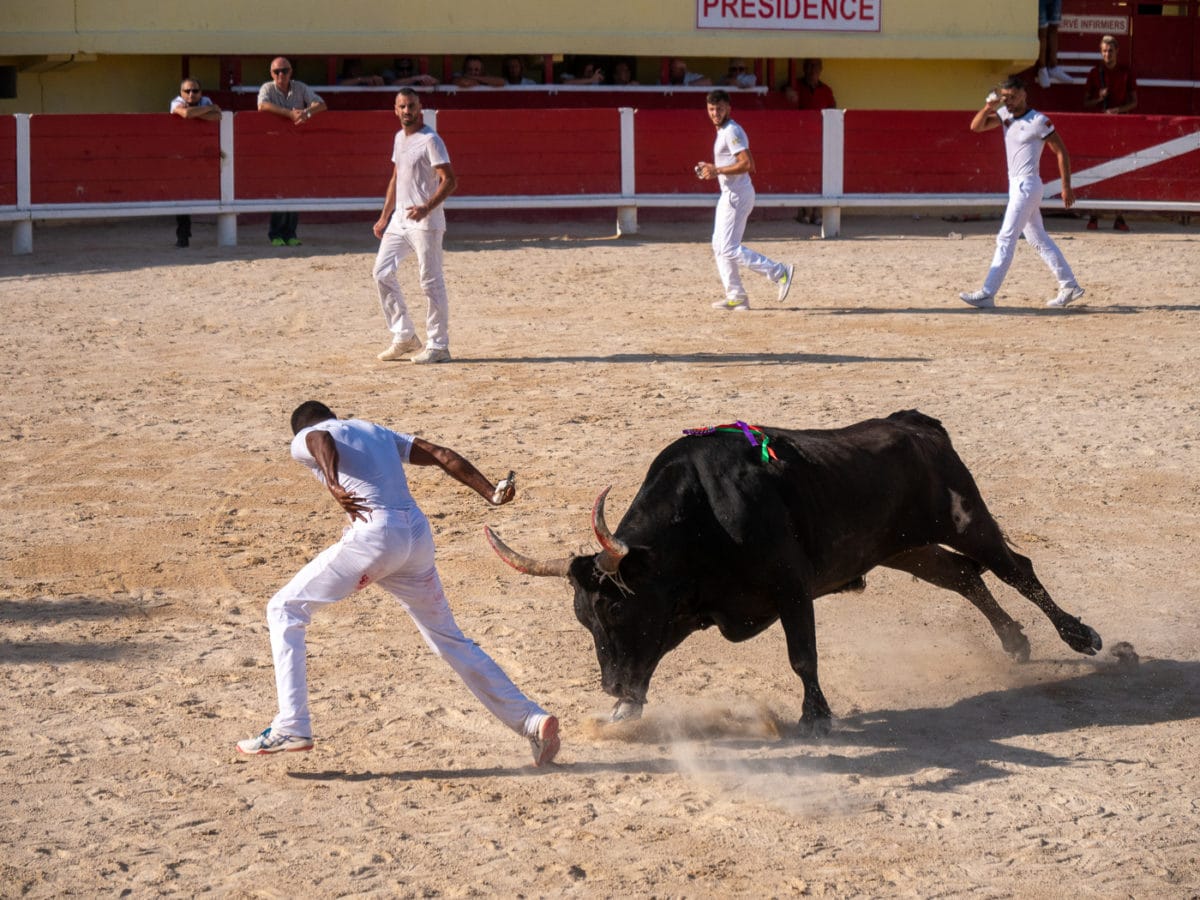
(627, 215)
(226, 221)
(22, 240)
(833, 160)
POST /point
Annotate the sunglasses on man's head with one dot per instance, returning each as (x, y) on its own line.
(280, 71)
(191, 90)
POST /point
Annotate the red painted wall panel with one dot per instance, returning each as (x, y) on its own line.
(123, 158)
(551, 151)
(8, 161)
(332, 155)
(890, 152)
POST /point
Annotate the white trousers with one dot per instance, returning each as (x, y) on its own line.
(728, 227)
(393, 250)
(395, 551)
(1023, 215)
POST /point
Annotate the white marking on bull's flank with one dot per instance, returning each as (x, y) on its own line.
(958, 512)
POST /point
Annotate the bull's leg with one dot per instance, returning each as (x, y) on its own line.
(799, 625)
(983, 541)
(955, 572)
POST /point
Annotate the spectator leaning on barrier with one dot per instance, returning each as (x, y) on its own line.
(294, 100)
(404, 72)
(678, 74)
(1111, 88)
(191, 104)
(739, 75)
(354, 75)
(622, 75)
(810, 93)
(514, 71)
(472, 75)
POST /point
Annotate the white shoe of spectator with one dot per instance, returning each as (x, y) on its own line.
(1059, 75)
(1043, 77)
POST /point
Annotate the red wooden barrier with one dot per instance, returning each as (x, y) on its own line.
(123, 158)
(333, 155)
(534, 152)
(8, 161)
(936, 152)
(890, 152)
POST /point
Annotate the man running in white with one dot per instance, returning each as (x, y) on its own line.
(733, 165)
(1026, 132)
(388, 542)
(413, 221)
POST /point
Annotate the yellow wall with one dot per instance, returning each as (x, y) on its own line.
(930, 54)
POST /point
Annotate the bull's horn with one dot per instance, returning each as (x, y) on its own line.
(614, 550)
(526, 564)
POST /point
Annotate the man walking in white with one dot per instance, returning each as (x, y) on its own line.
(388, 542)
(413, 221)
(1026, 132)
(733, 165)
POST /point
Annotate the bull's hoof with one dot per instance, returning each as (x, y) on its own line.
(814, 726)
(1015, 643)
(625, 709)
(1082, 638)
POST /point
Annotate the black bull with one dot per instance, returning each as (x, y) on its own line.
(719, 536)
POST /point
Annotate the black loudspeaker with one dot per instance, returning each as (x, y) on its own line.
(8, 82)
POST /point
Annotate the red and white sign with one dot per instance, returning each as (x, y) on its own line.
(790, 15)
(1095, 24)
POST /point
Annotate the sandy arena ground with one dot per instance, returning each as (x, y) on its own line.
(152, 509)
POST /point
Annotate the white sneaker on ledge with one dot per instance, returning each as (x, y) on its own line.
(1043, 77)
(1059, 75)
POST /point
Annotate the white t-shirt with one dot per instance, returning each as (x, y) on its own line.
(179, 101)
(731, 140)
(415, 156)
(370, 461)
(1024, 139)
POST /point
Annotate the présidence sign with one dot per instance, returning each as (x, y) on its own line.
(790, 15)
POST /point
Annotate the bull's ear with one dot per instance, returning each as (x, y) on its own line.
(527, 564)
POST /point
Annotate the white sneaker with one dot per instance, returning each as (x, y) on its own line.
(785, 283)
(980, 299)
(1043, 77)
(1066, 295)
(1059, 76)
(432, 355)
(736, 305)
(400, 349)
(545, 743)
(274, 743)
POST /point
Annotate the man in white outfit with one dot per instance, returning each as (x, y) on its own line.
(732, 166)
(388, 542)
(1026, 132)
(413, 221)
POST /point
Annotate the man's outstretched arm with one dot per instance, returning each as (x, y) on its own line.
(424, 453)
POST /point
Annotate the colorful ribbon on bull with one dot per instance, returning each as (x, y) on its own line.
(753, 434)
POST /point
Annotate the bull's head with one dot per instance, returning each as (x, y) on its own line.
(614, 602)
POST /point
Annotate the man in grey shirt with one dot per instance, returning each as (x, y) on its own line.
(295, 100)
